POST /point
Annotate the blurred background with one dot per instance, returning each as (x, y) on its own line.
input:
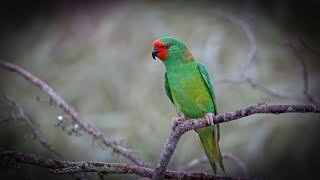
(98, 57)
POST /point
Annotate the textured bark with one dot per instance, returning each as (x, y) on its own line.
(261, 108)
(67, 167)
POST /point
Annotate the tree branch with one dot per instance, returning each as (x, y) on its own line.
(244, 78)
(254, 84)
(38, 134)
(238, 161)
(196, 162)
(304, 73)
(180, 129)
(249, 34)
(308, 46)
(68, 167)
(75, 117)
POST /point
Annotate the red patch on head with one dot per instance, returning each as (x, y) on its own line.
(157, 43)
(162, 52)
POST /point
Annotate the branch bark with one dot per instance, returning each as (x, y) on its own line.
(68, 167)
(75, 117)
(180, 129)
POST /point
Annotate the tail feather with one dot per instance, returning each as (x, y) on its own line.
(211, 147)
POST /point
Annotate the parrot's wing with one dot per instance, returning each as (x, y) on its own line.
(206, 77)
(167, 87)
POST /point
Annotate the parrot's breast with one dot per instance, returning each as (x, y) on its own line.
(190, 93)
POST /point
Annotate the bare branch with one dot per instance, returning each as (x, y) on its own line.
(75, 117)
(252, 42)
(192, 124)
(232, 81)
(36, 132)
(238, 161)
(250, 59)
(68, 167)
(304, 73)
(194, 163)
(272, 92)
(255, 85)
(308, 46)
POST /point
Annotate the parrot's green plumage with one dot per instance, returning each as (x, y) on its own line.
(189, 87)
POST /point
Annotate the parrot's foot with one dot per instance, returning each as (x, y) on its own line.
(209, 118)
(178, 120)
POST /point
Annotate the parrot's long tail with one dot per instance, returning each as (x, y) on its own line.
(209, 141)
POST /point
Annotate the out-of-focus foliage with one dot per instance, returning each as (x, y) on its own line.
(99, 59)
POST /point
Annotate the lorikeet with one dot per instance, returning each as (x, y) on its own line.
(189, 87)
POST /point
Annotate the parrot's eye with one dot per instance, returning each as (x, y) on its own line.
(167, 46)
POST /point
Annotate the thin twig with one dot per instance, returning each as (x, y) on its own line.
(249, 34)
(254, 84)
(75, 117)
(196, 162)
(238, 161)
(307, 45)
(36, 132)
(251, 57)
(180, 129)
(231, 81)
(68, 167)
(304, 73)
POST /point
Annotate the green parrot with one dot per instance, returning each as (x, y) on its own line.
(189, 87)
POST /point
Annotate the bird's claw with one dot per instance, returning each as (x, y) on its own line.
(178, 120)
(209, 118)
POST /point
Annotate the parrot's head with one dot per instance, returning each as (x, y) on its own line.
(170, 49)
